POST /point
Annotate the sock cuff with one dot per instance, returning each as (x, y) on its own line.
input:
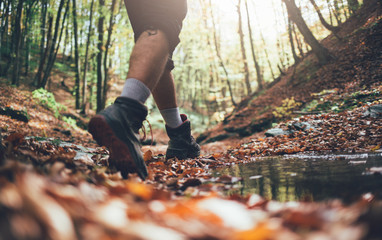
(136, 89)
(172, 117)
(170, 111)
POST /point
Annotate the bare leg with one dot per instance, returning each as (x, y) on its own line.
(149, 57)
(164, 94)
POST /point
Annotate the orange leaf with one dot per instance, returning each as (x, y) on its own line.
(376, 148)
(148, 155)
(261, 232)
(140, 190)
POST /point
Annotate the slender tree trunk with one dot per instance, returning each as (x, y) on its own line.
(330, 11)
(293, 48)
(345, 12)
(221, 62)
(4, 41)
(283, 53)
(353, 6)
(76, 54)
(56, 38)
(322, 19)
(43, 48)
(66, 42)
(243, 54)
(294, 13)
(298, 42)
(84, 81)
(256, 62)
(27, 38)
(17, 41)
(100, 47)
(337, 13)
(265, 49)
(27, 46)
(107, 47)
(44, 53)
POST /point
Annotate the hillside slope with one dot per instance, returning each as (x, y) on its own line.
(357, 66)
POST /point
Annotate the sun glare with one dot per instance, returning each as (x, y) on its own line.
(262, 15)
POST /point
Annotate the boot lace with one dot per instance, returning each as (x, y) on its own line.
(143, 130)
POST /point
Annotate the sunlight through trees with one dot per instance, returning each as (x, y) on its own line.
(229, 49)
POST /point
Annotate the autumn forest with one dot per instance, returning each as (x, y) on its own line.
(285, 100)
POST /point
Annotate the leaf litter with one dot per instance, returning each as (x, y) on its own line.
(58, 190)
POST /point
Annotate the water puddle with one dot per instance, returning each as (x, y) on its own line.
(310, 177)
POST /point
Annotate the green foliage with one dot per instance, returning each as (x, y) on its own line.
(72, 122)
(47, 100)
(286, 109)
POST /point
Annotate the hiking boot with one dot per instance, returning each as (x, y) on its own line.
(182, 145)
(116, 128)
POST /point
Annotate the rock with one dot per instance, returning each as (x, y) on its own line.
(277, 132)
(301, 126)
(374, 111)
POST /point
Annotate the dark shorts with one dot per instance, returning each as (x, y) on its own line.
(165, 15)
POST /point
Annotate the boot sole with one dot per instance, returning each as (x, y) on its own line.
(120, 154)
(181, 154)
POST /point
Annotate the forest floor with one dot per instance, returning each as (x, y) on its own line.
(55, 182)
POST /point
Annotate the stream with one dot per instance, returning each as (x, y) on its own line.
(305, 177)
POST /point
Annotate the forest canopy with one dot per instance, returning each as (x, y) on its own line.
(229, 49)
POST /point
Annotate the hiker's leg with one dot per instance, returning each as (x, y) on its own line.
(164, 94)
(149, 57)
(156, 26)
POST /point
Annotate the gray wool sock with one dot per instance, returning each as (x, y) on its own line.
(172, 117)
(136, 90)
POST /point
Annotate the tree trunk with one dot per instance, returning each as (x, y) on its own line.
(292, 46)
(243, 54)
(44, 52)
(221, 62)
(298, 42)
(43, 48)
(4, 41)
(100, 47)
(76, 54)
(55, 41)
(294, 14)
(66, 43)
(107, 47)
(336, 12)
(16, 41)
(330, 11)
(265, 49)
(353, 6)
(322, 19)
(280, 42)
(256, 62)
(343, 7)
(27, 36)
(27, 49)
(84, 81)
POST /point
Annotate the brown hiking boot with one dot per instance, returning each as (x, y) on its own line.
(116, 128)
(182, 145)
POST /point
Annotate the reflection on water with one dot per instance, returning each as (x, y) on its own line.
(310, 177)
